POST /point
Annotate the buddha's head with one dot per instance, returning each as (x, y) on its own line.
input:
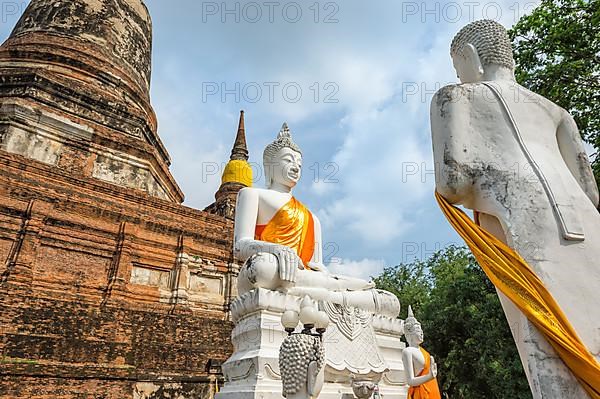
(478, 46)
(412, 330)
(282, 160)
(297, 352)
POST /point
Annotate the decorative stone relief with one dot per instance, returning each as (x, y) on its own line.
(127, 172)
(301, 360)
(150, 277)
(32, 146)
(38, 135)
(355, 347)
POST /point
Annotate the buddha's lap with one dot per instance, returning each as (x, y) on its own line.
(262, 270)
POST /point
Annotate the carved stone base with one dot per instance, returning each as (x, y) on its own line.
(358, 347)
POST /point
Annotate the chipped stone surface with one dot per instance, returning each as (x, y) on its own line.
(156, 390)
(485, 164)
(121, 29)
(89, 61)
(38, 135)
(150, 277)
(32, 146)
(206, 288)
(128, 172)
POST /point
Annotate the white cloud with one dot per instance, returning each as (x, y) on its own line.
(386, 73)
(591, 151)
(364, 269)
(377, 55)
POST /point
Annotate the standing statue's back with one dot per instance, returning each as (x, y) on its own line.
(518, 161)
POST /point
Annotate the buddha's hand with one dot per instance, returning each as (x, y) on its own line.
(289, 262)
(318, 267)
(433, 368)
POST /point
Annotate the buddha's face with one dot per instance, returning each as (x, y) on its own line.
(468, 65)
(415, 337)
(286, 167)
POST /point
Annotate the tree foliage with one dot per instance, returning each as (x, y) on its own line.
(557, 51)
(465, 328)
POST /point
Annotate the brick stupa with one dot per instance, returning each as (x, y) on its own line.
(109, 287)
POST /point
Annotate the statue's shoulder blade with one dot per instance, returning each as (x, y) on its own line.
(452, 92)
(521, 96)
(455, 97)
(567, 119)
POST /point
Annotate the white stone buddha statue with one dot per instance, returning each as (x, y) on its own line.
(279, 240)
(518, 161)
(419, 365)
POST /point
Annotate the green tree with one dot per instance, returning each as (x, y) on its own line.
(410, 282)
(465, 328)
(557, 52)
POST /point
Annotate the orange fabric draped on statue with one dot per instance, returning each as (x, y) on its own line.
(292, 226)
(515, 279)
(430, 389)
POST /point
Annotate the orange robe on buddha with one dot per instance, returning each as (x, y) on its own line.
(292, 226)
(430, 389)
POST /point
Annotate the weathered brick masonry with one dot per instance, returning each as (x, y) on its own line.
(109, 287)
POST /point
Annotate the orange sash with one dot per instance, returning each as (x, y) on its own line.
(514, 277)
(292, 226)
(428, 390)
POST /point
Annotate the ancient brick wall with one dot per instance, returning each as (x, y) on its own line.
(109, 287)
(107, 292)
(53, 348)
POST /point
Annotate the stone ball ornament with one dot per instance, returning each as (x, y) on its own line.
(308, 316)
(290, 320)
(322, 322)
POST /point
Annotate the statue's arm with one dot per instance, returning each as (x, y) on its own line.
(245, 246)
(409, 370)
(246, 214)
(316, 262)
(449, 113)
(574, 155)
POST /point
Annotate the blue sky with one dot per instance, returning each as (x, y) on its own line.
(353, 79)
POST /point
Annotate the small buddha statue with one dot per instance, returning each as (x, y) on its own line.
(419, 365)
(278, 239)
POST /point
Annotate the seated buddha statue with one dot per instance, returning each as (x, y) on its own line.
(278, 239)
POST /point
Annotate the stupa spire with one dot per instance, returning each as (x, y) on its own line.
(236, 175)
(240, 148)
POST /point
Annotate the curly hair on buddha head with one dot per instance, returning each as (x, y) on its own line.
(296, 353)
(489, 38)
(284, 140)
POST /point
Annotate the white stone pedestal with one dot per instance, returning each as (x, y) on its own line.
(252, 372)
